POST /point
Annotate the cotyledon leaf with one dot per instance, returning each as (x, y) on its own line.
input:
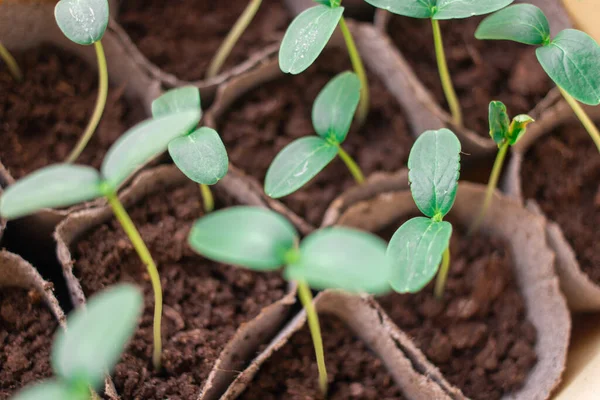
(51, 390)
(458, 9)
(180, 99)
(82, 21)
(408, 8)
(499, 122)
(523, 23)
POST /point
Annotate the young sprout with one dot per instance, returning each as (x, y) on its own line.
(571, 59)
(262, 240)
(437, 10)
(11, 63)
(84, 22)
(419, 245)
(307, 36)
(505, 133)
(234, 34)
(90, 346)
(304, 158)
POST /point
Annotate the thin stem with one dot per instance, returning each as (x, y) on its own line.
(352, 166)
(445, 74)
(146, 257)
(234, 34)
(315, 330)
(440, 283)
(207, 198)
(583, 117)
(100, 104)
(492, 184)
(359, 68)
(11, 63)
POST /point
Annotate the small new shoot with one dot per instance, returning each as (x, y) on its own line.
(11, 63)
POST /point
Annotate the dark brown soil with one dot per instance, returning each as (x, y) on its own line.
(354, 372)
(268, 118)
(26, 331)
(205, 302)
(478, 335)
(481, 70)
(562, 173)
(182, 36)
(44, 116)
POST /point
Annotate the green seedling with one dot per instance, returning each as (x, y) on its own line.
(437, 10)
(505, 133)
(307, 36)
(11, 63)
(571, 59)
(91, 345)
(419, 245)
(304, 158)
(262, 240)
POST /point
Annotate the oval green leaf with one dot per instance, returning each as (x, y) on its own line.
(143, 142)
(82, 21)
(175, 100)
(415, 252)
(408, 8)
(434, 168)
(201, 156)
(335, 106)
(342, 258)
(96, 335)
(523, 23)
(251, 237)
(457, 9)
(499, 122)
(306, 37)
(59, 185)
(296, 164)
(50, 390)
(572, 60)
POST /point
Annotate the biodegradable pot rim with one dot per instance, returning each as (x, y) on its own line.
(248, 336)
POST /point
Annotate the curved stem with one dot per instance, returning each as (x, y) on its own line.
(207, 198)
(442, 276)
(352, 165)
(232, 38)
(100, 104)
(440, 54)
(492, 184)
(11, 63)
(359, 68)
(146, 257)
(315, 330)
(583, 117)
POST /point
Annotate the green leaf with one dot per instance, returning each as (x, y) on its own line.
(572, 61)
(297, 164)
(342, 258)
(175, 100)
(415, 252)
(143, 142)
(306, 37)
(96, 335)
(201, 156)
(335, 106)
(51, 390)
(59, 185)
(82, 21)
(458, 9)
(518, 127)
(408, 8)
(434, 168)
(523, 23)
(499, 122)
(251, 237)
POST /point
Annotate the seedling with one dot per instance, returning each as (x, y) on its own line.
(419, 245)
(11, 63)
(505, 133)
(304, 158)
(91, 345)
(571, 59)
(437, 10)
(262, 240)
(307, 36)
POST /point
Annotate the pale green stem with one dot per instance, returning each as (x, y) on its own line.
(583, 117)
(207, 197)
(234, 34)
(359, 68)
(440, 54)
(146, 257)
(306, 299)
(442, 276)
(11, 63)
(352, 165)
(100, 104)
